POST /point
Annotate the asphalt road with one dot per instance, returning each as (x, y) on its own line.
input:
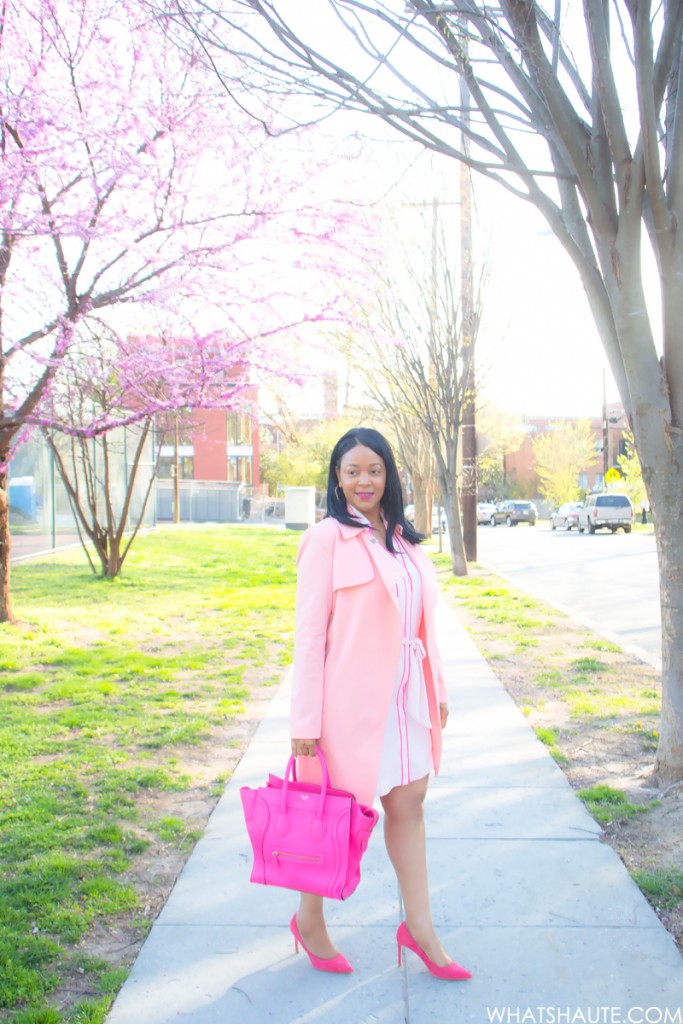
(609, 582)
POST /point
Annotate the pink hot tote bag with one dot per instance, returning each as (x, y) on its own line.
(307, 837)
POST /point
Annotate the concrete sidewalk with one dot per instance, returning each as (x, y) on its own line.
(524, 894)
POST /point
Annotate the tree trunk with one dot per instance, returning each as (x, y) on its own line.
(5, 546)
(647, 396)
(111, 564)
(423, 517)
(665, 494)
(669, 758)
(457, 547)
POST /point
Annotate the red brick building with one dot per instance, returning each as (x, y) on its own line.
(217, 445)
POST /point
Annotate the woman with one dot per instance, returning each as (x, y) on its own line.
(367, 679)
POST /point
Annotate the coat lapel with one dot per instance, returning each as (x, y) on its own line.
(386, 567)
(358, 558)
(352, 565)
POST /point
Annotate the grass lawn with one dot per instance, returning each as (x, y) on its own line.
(110, 694)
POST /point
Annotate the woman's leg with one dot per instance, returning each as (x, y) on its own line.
(310, 919)
(404, 835)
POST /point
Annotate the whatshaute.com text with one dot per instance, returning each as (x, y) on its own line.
(590, 1015)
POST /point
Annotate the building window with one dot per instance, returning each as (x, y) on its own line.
(239, 428)
(239, 469)
(167, 457)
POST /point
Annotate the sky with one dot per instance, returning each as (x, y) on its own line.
(539, 353)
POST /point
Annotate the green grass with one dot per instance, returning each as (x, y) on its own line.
(607, 804)
(664, 889)
(549, 738)
(495, 602)
(591, 687)
(593, 703)
(104, 685)
(549, 677)
(584, 665)
(597, 644)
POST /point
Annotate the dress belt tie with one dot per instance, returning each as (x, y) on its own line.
(416, 703)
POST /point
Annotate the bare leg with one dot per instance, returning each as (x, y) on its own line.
(311, 921)
(404, 835)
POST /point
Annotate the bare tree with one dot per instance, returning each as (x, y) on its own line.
(594, 141)
(86, 468)
(422, 366)
(415, 450)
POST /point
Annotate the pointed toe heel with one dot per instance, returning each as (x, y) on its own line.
(333, 965)
(451, 971)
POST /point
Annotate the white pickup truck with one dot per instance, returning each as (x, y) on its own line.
(610, 511)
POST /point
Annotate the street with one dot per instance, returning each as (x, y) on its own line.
(607, 581)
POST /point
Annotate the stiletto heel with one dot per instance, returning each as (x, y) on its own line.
(333, 965)
(451, 971)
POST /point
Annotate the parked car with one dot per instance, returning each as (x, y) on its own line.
(485, 510)
(514, 512)
(566, 515)
(409, 513)
(610, 511)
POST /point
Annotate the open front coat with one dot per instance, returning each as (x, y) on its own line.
(347, 646)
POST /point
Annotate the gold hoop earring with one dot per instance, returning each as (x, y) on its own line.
(336, 491)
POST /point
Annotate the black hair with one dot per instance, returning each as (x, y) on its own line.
(392, 499)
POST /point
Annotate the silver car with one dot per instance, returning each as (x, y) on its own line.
(485, 510)
(566, 516)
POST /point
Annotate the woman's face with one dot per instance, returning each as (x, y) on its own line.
(362, 477)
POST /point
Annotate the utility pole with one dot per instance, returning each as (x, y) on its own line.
(176, 471)
(605, 433)
(435, 204)
(469, 426)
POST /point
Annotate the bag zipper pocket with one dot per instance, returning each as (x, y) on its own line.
(296, 856)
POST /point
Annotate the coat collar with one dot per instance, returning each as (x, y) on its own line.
(386, 567)
(348, 532)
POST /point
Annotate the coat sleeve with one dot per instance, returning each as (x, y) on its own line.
(428, 570)
(313, 610)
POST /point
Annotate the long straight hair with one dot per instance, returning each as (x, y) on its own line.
(392, 499)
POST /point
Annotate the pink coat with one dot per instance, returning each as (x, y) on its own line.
(347, 646)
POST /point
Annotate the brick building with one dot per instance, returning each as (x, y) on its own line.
(217, 445)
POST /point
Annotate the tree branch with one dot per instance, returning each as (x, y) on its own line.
(649, 140)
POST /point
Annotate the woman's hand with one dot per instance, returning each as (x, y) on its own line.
(303, 748)
(443, 714)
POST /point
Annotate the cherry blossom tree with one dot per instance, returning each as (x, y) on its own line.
(134, 195)
(108, 388)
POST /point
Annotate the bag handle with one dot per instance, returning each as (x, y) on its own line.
(290, 772)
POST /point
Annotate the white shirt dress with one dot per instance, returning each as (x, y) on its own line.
(407, 747)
